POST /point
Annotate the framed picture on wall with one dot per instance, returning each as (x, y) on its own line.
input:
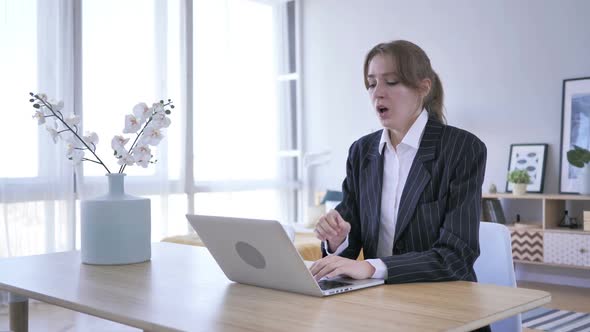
(575, 129)
(532, 158)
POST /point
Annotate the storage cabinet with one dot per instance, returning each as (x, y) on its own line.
(544, 242)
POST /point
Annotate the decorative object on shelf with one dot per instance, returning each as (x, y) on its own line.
(575, 131)
(519, 179)
(493, 189)
(116, 227)
(491, 210)
(531, 158)
(568, 221)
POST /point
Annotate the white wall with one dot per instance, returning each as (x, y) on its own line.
(502, 64)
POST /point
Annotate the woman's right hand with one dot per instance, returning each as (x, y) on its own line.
(332, 228)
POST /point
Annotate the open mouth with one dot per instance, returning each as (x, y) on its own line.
(382, 109)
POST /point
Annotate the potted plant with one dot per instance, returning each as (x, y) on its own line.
(115, 228)
(520, 179)
(580, 157)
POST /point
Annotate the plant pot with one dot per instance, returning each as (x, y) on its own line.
(116, 227)
(519, 188)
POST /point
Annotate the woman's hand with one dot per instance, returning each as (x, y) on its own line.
(332, 228)
(332, 266)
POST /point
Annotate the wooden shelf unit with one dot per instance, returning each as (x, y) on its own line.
(561, 246)
(553, 206)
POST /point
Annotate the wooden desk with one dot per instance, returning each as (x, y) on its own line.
(182, 288)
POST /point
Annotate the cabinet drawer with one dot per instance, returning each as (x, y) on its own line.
(527, 245)
(566, 248)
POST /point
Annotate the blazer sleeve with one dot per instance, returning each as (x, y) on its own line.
(454, 252)
(348, 208)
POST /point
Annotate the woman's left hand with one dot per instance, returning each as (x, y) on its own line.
(332, 266)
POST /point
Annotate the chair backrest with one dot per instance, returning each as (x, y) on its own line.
(495, 266)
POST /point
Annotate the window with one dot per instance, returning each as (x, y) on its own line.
(244, 124)
(244, 159)
(18, 65)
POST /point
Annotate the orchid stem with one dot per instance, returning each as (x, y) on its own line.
(74, 132)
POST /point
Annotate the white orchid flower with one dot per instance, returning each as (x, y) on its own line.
(40, 117)
(70, 147)
(118, 143)
(66, 136)
(72, 120)
(91, 138)
(132, 124)
(77, 156)
(141, 112)
(57, 106)
(42, 96)
(159, 120)
(143, 160)
(142, 149)
(53, 132)
(142, 154)
(126, 159)
(74, 153)
(157, 107)
(152, 136)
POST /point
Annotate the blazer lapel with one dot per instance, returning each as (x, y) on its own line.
(418, 177)
(372, 177)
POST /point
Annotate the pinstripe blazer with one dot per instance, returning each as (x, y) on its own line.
(437, 231)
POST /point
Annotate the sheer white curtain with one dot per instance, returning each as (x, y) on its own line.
(37, 213)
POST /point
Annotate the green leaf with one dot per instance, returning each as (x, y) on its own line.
(578, 156)
(519, 176)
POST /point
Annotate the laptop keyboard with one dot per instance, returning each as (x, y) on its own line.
(329, 284)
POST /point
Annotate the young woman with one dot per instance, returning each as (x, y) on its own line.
(412, 190)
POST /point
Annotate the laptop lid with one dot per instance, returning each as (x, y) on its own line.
(259, 252)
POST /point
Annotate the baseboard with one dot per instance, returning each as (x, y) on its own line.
(553, 275)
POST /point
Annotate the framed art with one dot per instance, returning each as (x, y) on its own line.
(575, 129)
(532, 158)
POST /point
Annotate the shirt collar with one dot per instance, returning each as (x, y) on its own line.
(413, 136)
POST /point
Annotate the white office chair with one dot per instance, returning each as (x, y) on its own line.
(494, 266)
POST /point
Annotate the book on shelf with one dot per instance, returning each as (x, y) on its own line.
(492, 211)
(485, 211)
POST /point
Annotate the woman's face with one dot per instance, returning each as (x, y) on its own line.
(396, 104)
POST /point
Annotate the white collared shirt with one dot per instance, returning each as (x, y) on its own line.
(396, 167)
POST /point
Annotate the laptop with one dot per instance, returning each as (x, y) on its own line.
(260, 253)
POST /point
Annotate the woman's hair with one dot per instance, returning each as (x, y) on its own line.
(413, 65)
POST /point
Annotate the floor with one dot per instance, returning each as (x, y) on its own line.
(45, 317)
(562, 297)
